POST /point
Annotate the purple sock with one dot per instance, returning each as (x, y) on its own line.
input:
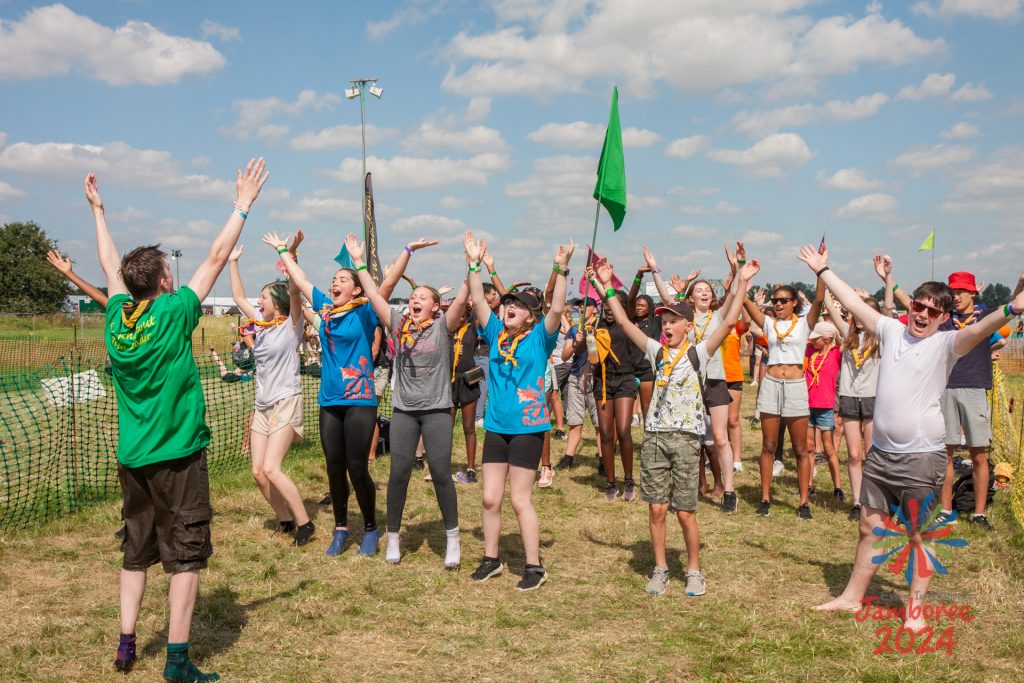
(125, 652)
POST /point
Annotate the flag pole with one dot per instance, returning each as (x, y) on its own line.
(590, 256)
(933, 255)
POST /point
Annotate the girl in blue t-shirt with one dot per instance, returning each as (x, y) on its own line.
(348, 404)
(521, 340)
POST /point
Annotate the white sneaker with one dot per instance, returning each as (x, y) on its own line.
(737, 467)
(547, 475)
(778, 468)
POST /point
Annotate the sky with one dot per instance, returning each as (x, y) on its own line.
(766, 121)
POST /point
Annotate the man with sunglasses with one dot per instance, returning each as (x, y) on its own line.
(907, 462)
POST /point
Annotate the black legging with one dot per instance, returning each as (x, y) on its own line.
(345, 435)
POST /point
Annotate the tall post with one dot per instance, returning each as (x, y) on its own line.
(362, 131)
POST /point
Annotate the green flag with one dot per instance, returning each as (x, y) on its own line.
(929, 242)
(611, 169)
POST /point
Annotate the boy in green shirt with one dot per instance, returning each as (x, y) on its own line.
(161, 418)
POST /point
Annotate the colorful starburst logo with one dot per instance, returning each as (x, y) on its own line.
(909, 555)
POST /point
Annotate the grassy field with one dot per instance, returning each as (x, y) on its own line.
(270, 612)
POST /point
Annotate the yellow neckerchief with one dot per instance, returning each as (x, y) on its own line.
(326, 314)
(137, 308)
(604, 349)
(961, 324)
(781, 336)
(671, 366)
(858, 359)
(405, 338)
(279, 320)
(698, 335)
(510, 354)
(457, 346)
(815, 370)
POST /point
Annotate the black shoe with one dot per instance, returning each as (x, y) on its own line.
(471, 476)
(489, 566)
(304, 533)
(326, 500)
(982, 521)
(565, 463)
(287, 527)
(804, 511)
(119, 534)
(729, 501)
(765, 508)
(559, 435)
(838, 495)
(419, 464)
(811, 490)
(854, 515)
(533, 576)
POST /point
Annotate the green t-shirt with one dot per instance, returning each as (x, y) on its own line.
(161, 412)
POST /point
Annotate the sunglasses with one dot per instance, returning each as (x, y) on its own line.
(781, 299)
(919, 307)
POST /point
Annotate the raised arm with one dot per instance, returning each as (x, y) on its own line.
(604, 272)
(247, 189)
(237, 289)
(110, 259)
(390, 281)
(379, 303)
(819, 298)
(488, 261)
(474, 252)
(295, 307)
(835, 315)
(295, 273)
(883, 269)
(818, 263)
(753, 309)
(968, 337)
(890, 283)
(666, 298)
(553, 319)
(738, 293)
(453, 316)
(63, 265)
(1019, 288)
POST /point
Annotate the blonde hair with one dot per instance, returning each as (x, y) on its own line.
(863, 341)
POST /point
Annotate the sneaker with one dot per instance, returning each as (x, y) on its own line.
(565, 463)
(982, 521)
(838, 495)
(368, 546)
(737, 467)
(534, 577)
(489, 566)
(659, 581)
(337, 543)
(560, 435)
(765, 508)
(628, 490)
(471, 476)
(287, 527)
(753, 384)
(125, 659)
(461, 478)
(854, 515)
(419, 464)
(729, 501)
(945, 518)
(695, 584)
(480, 423)
(304, 534)
(804, 511)
(611, 492)
(547, 475)
(811, 490)
(778, 468)
(636, 421)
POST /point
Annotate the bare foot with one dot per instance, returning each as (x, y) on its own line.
(704, 489)
(717, 492)
(839, 605)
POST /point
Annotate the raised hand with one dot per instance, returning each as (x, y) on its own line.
(61, 263)
(249, 183)
(812, 258)
(235, 254)
(643, 269)
(678, 284)
(489, 262)
(741, 252)
(862, 293)
(274, 241)
(92, 191)
(421, 243)
(748, 270)
(693, 275)
(444, 290)
(293, 245)
(649, 258)
(604, 270)
(355, 247)
(759, 297)
(475, 249)
(730, 257)
(564, 253)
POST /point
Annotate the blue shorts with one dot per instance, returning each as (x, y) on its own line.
(823, 419)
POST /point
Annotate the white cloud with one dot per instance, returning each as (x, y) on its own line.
(721, 207)
(961, 131)
(757, 237)
(759, 123)
(997, 185)
(7, 191)
(400, 172)
(429, 225)
(849, 179)
(769, 157)
(971, 93)
(54, 41)
(933, 85)
(430, 137)
(128, 215)
(451, 202)
(983, 9)
(255, 117)
(226, 34)
(640, 202)
(413, 14)
(323, 207)
(870, 206)
(684, 148)
(693, 231)
(340, 136)
(584, 135)
(920, 160)
(687, 191)
(563, 177)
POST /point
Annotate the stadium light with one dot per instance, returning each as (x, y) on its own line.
(359, 89)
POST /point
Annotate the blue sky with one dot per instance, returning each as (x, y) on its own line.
(770, 121)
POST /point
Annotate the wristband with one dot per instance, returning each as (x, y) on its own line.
(358, 268)
(494, 273)
(556, 269)
(818, 273)
(741, 262)
(282, 250)
(655, 270)
(1009, 311)
(408, 250)
(895, 286)
(680, 296)
(474, 266)
(241, 213)
(609, 293)
(637, 280)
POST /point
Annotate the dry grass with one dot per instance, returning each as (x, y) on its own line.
(269, 612)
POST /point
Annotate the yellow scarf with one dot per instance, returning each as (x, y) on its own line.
(406, 339)
(961, 324)
(698, 335)
(671, 366)
(510, 354)
(816, 369)
(136, 310)
(326, 313)
(604, 349)
(858, 359)
(457, 347)
(279, 320)
(781, 336)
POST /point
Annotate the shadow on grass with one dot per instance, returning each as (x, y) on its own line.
(642, 560)
(312, 511)
(219, 619)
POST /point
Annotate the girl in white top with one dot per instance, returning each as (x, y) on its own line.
(782, 399)
(277, 420)
(858, 381)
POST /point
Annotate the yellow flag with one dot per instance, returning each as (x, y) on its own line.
(929, 242)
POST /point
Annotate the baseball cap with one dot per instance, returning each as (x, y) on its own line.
(530, 298)
(824, 329)
(680, 308)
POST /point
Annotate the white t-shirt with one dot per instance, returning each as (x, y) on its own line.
(786, 349)
(676, 407)
(912, 375)
(859, 382)
(277, 362)
(709, 322)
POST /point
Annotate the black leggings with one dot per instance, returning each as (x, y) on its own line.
(345, 435)
(435, 426)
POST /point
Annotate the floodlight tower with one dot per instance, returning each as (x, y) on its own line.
(359, 89)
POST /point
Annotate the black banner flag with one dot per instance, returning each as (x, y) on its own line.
(372, 255)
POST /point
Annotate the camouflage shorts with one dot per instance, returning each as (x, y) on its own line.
(670, 469)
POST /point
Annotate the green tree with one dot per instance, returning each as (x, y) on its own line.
(994, 295)
(28, 284)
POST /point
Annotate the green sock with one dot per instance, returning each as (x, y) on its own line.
(180, 669)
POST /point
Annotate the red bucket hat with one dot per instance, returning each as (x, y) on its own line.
(963, 280)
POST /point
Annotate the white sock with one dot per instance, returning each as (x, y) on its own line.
(393, 554)
(453, 553)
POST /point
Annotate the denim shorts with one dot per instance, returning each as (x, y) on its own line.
(823, 419)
